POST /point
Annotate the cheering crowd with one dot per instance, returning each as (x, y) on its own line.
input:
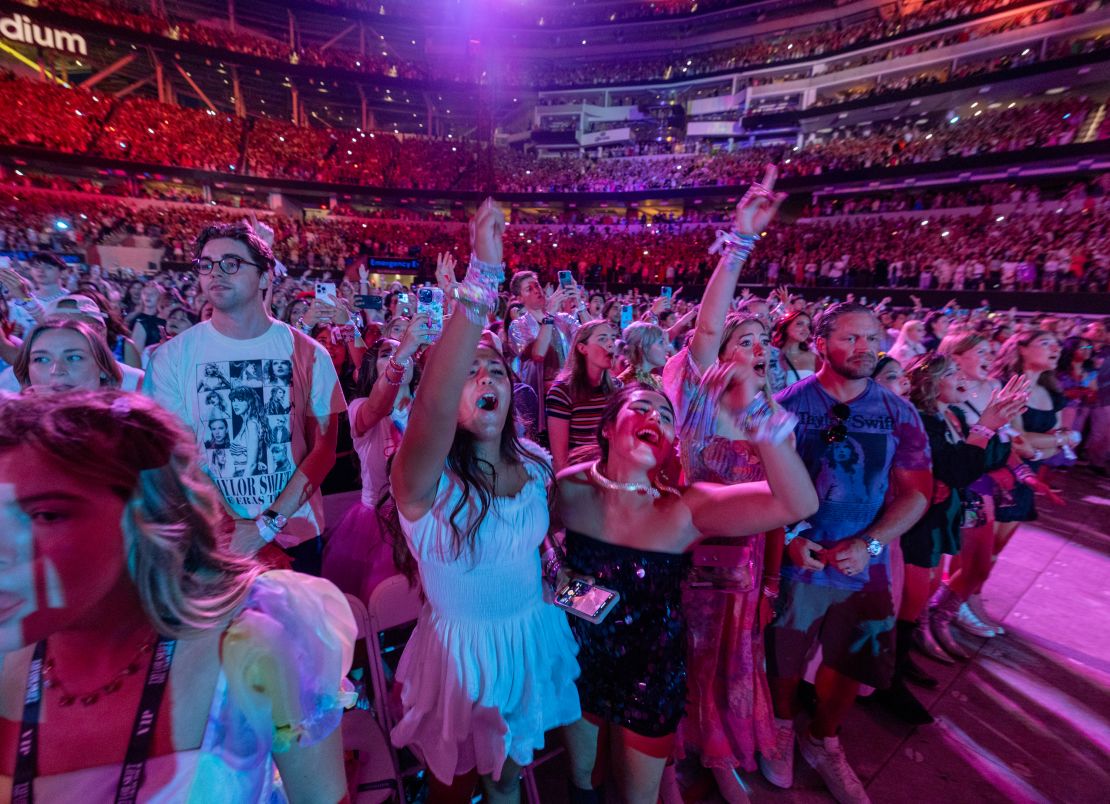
(798, 42)
(642, 521)
(149, 132)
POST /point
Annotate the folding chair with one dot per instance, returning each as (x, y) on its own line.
(378, 777)
(392, 612)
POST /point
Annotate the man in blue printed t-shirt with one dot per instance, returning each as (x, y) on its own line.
(868, 456)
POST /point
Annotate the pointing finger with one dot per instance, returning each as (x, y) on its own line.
(769, 177)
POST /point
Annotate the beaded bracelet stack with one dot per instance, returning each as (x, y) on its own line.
(478, 291)
(395, 372)
(734, 247)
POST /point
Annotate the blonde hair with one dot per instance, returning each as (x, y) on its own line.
(958, 343)
(111, 374)
(186, 582)
(639, 336)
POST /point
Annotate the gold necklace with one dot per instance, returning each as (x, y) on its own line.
(67, 698)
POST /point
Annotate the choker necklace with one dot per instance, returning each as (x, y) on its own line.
(637, 488)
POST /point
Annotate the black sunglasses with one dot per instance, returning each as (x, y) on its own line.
(229, 265)
(837, 432)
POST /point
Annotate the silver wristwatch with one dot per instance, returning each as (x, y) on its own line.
(874, 546)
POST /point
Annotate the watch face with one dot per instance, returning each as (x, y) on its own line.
(874, 546)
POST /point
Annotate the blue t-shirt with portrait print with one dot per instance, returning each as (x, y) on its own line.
(852, 476)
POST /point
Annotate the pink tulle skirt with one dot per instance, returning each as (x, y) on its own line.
(357, 556)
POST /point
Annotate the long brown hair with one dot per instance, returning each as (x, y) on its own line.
(779, 335)
(477, 485)
(574, 373)
(1008, 362)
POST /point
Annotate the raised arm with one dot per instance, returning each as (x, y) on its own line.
(741, 509)
(383, 395)
(754, 213)
(679, 326)
(432, 423)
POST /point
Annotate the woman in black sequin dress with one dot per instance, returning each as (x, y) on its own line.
(630, 533)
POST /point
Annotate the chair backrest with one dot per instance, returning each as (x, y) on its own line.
(362, 616)
(393, 604)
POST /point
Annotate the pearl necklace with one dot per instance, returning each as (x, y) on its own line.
(637, 488)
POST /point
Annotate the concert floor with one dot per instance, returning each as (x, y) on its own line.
(1026, 720)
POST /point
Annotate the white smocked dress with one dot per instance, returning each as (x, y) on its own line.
(490, 666)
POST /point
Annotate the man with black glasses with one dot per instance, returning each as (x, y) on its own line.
(274, 504)
(868, 456)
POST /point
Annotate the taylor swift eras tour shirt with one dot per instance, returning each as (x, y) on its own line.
(247, 402)
(849, 459)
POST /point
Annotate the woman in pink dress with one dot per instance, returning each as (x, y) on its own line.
(715, 383)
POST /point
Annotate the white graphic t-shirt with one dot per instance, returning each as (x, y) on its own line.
(247, 402)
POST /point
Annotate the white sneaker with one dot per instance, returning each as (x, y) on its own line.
(967, 621)
(777, 766)
(827, 758)
(975, 603)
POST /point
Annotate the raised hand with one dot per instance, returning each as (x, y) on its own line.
(18, 287)
(486, 232)
(759, 205)
(417, 334)
(445, 271)
(1007, 402)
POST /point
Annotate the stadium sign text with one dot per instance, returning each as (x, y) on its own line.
(19, 28)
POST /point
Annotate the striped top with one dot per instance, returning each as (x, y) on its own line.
(583, 415)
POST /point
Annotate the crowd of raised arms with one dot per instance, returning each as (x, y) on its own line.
(631, 519)
(793, 44)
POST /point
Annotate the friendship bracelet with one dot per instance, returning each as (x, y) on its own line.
(735, 248)
(982, 430)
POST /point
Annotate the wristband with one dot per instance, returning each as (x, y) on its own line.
(982, 430)
(265, 530)
(735, 248)
(548, 320)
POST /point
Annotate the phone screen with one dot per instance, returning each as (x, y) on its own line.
(429, 301)
(585, 599)
(565, 279)
(626, 316)
(368, 302)
(666, 291)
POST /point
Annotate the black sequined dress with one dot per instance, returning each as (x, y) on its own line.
(633, 662)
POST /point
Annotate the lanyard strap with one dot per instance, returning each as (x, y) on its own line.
(26, 756)
(142, 732)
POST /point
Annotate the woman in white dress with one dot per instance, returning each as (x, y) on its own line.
(490, 666)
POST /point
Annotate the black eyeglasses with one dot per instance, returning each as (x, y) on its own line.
(837, 432)
(229, 265)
